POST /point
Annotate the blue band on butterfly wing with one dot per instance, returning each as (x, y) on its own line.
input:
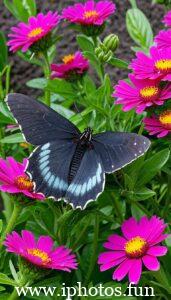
(81, 189)
(51, 179)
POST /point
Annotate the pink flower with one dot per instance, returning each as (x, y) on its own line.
(159, 125)
(89, 13)
(25, 35)
(167, 19)
(40, 253)
(138, 246)
(14, 180)
(157, 65)
(73, 66)
(140, 94)
(163, 39)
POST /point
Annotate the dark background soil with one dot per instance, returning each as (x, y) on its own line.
(23, 71)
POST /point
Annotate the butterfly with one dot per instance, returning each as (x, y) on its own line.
(69, 164)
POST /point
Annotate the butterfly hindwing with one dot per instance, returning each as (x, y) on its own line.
(88, 182)
(39, 123)
(117, 149)
(49, 168)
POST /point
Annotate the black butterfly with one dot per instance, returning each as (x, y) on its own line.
(67, 163)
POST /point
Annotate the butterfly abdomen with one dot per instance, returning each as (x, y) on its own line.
(76, 160)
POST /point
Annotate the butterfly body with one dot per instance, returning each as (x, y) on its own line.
(69, 164)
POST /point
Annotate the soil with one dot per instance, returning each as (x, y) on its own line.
(23, 71)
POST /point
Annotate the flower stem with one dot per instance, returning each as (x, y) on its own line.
(141, 129)
(94, 252)
(46, 69)
(133, 3)
(117, 208)
(14, 295)
(16, 211)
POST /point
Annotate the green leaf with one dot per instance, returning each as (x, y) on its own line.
(3, 52)
(143, 194)
(151, 166)
(21, 9)
(4, 279)
(137, 213)
(37, 83)
(67, 113)
(139, 28)
(30, 6)
(11, 7)
(85, 43)
(1, 225)
(61, 87)
(13, 271)
(13, 138)
(119, 63)
(5, 111)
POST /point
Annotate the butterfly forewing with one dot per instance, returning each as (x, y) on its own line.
(117, 149)
(39, 123)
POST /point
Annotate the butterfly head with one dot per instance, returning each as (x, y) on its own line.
(86, 136)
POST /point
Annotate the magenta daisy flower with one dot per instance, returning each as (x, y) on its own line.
(159, 125)
(167, 19)
(23, 36)
(140, 94)
(73, 67)
(139, 246)
(40, 253)
(163, 39)
(14, 180)
(157, 65)
(89, 13)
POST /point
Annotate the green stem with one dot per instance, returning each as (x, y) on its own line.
(94, 252)
(1, 90)
(141, 129)
(46, 69)
(14, 295)
(7, 80)
(117, 208)
(133, 3)
(165, 211)
(16, 211)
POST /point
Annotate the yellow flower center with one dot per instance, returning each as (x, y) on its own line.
(35, 32)
(163, 65)
(165, 119)
(23, 182)
(136, 247)
(68, 58)
(149, 91)
(91, 14)
(40, 254)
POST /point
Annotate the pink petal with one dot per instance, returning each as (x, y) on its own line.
(45, 243)
(28, 239)
(135, 271)
(115, 242)
(151, 262)
(157, 250)
(123, 269)
(111, 264)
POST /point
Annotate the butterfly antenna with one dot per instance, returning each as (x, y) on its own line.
(78, 111)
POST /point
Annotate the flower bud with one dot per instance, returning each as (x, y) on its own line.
(111, 42)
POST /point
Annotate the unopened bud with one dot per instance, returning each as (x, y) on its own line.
(111, 42)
